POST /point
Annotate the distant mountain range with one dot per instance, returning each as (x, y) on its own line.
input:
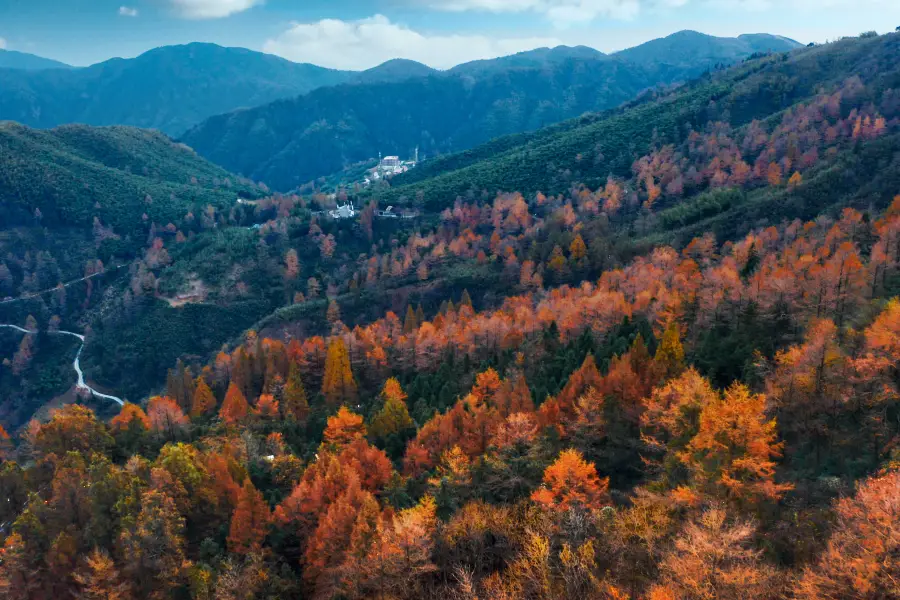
(176, 88)
(10, 59)
(291, 142)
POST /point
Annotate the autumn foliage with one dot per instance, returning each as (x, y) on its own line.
(571, 482)
(235, 407)
(713, 419)
(250, 521)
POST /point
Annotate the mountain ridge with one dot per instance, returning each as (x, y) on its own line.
(12, 59)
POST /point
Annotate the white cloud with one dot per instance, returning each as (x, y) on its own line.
(564, 13)
(2, 43)
(370, 42)
(211, 9)
(128, 11)
(560, 12)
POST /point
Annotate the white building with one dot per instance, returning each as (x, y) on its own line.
(390, 162)
(345, 211)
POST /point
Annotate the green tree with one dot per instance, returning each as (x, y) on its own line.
(392, 426)
(294, 404)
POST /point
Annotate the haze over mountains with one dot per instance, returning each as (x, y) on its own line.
(174, 88)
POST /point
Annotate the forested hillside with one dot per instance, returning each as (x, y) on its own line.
(292, 142)
(170, 88)
(589, 151)
(74, 174)
(651, 354)
(79, 202)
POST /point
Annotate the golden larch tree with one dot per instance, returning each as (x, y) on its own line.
(393, 418)
(861, 560)
(344, 427)
(294, 405)
(734, 452)
(204, 400)
(338, 384)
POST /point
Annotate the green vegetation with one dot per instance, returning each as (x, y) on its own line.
(170, 88)
(589, 151)
(75, 173)
(289, 143)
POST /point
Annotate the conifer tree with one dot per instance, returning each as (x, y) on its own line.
(409, 322)
(466, 299)
(100, 580)
(670, 353)
(393, 419)
(577, 249)
(344, 427)
(338, 385)
(294, 405)
(204, 400)
(250, 521)
(420, 315)
(333, 314)
(235, 407)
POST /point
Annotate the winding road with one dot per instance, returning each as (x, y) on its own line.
(76, 364)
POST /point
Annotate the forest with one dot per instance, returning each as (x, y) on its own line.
(672, 373)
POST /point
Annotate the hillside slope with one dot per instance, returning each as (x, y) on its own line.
(590, 149)
(687, 54)
(81, 201)
(75, 173)
(604, 414)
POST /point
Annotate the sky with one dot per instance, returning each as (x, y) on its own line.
(358, 34)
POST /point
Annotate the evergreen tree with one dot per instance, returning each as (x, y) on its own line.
(294, 405)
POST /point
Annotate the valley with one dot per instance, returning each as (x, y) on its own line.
(625, 326)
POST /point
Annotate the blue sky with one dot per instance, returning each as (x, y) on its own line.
(357, 34)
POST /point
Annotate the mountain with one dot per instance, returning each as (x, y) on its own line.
(290, 143)
(169, 88)
(686, 54)
(532, 59)
(397, 69)
(10, 59)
